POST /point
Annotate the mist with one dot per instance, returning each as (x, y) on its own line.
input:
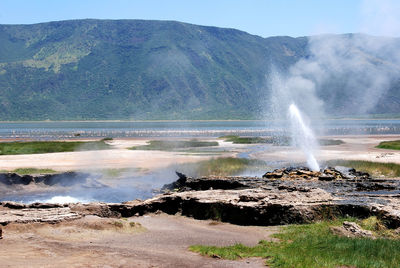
(343, 74)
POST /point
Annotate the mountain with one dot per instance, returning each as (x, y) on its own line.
(138, 69)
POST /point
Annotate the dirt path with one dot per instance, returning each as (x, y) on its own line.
(153, 241)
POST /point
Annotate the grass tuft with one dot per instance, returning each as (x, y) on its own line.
(314, 245)
(247, 140)
(40, 147)
(279, 141)
(226, 166)
(393, 145)
(373, 168)
(33, 171)
(328, 142)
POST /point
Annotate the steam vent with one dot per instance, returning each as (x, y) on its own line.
(289, 195)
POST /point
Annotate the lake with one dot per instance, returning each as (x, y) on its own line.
(70, 130)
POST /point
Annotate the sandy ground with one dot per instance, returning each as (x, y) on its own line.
(354, 148)
(159, 241)
(119, 157)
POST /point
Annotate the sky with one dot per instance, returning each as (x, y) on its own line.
(261, 17)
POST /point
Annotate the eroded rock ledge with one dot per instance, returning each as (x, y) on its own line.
(298, 196)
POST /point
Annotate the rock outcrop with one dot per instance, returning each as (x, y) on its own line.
(280, 197)
(49, 213)
(63, 179)
(328, 174)
(292, 195)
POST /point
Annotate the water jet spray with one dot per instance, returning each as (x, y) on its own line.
(303, 137)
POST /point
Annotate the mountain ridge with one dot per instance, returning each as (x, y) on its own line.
(137, 69)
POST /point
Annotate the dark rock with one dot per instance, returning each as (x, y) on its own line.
(45, 205)
(176, 184)
(14, 205)
(371, 186)
(63, 179)
(276, 174)
(13, 178)
(325, 177)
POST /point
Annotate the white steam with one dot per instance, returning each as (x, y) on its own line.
(350, 72)
(303, 137)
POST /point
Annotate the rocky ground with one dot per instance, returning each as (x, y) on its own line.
(292, 195)
(134, 234)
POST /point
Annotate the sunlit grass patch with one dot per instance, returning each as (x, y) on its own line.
(39, 147)
(314, 245)
(226, 166)
(246, 140)
(118, 172)
(328, 142)
(275, 140)
(30, 171)
(373, 168)
(393, 145)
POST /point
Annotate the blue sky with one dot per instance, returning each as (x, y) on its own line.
(261, 17)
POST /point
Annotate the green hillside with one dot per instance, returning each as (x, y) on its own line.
(136, 69)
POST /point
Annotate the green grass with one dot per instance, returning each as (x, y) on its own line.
(314, 245)
(373, 168)
(393, 145)
(39, 147)
(31, 171)
(246, 140)
(280, 141)
(118, 172)
(226, 166)
(172, 145)
(327, 142)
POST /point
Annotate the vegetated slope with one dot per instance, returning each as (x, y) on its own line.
(136, 69)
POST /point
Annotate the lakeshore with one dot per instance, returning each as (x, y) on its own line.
(104, 231)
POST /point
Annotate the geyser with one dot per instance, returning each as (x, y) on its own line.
(303, 137)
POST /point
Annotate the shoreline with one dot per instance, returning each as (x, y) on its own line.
(190, 120)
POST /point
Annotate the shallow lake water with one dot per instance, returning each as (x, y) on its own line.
(70, 130)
